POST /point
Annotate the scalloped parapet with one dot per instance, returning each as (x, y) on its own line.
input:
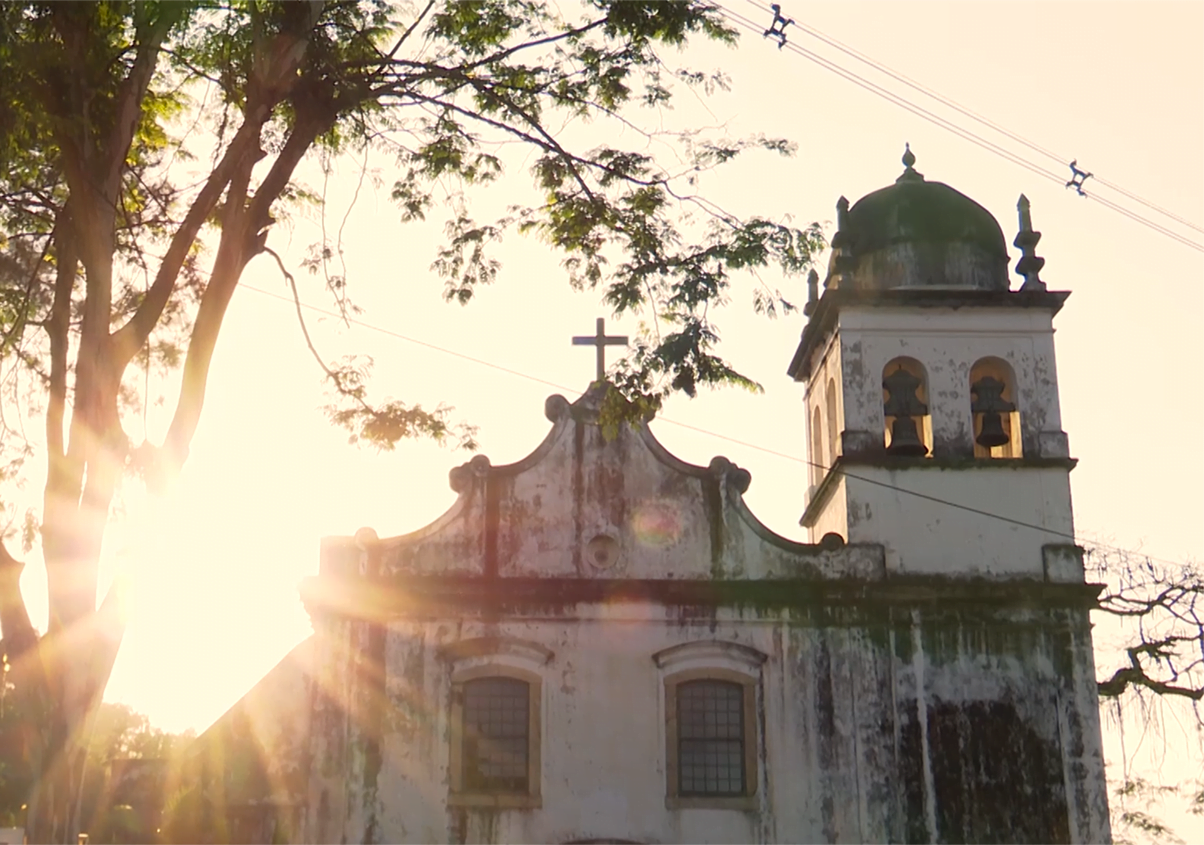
(585, 505)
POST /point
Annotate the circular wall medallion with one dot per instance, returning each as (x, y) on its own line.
(602, 552)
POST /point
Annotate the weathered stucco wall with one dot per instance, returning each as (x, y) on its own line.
(895, 725)
(654, 516)
(926, 536)
(947, 342)
(828, 373)
(246, 778)
(891, 703)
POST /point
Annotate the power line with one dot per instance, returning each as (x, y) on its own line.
(1148, 204)
(492, 365)
(961, 132)
(900, 101)
(973, 115)
(910, 83)
(1138, 218)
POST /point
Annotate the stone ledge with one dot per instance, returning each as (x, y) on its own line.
(823, 319)
(484, 800)
(717, 802)
(883, 460)
(378, 599)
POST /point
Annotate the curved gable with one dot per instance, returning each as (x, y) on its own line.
(585, 505)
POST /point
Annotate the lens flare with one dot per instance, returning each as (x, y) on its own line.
(657, 523)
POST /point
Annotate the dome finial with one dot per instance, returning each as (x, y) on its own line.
(910, 174)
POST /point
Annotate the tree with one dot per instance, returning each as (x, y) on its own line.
(1156, 606)
(118, 733)
(93, 102)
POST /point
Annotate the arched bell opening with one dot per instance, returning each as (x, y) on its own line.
(833, 428)
(818, 464)
(993, 405)
(905, 407)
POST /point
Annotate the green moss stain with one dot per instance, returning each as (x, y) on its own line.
(713, 496)
(373, 704)
(995, 778)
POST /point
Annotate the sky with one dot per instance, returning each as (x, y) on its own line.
(1117, 86)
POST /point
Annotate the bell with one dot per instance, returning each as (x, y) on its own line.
(992, 433)
(904, 440)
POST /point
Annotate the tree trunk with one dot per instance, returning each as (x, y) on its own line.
(70, 666)
(51, 815)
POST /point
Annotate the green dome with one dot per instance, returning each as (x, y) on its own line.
(931, 212)
(917, 233)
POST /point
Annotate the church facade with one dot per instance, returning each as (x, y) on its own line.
(601, 643)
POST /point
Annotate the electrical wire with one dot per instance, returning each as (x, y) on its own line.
(1148, 204)
(963, 133)
(973, 115)
(537, 380)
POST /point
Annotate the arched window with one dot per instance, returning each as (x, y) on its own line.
(711, 732)
(818, 464)
(993, 405)
(830, 408)
(494, 721)
(905, 407)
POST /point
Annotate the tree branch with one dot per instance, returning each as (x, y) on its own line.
(244, 233)
(17, 634)
(313, 350)
(130, 96)
(57, 328)
(129, 338)
(1128, 676)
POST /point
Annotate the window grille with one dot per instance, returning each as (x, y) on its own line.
(496, 734)
(710, 730)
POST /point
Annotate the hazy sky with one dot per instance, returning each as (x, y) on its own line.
(1119, 86)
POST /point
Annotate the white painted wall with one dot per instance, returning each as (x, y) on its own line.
(603, 734)
(925, 537)
(830, 704)
(827, 369)
(839, 692)
(948, 342)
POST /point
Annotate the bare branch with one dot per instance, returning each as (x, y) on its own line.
(1160, 599)
(292, 283)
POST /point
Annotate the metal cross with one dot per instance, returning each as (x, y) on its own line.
(601, 341)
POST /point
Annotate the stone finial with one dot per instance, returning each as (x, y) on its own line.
(812, 293)
(910, 174)
(1029, 266)
(842, 246)
(366, 538)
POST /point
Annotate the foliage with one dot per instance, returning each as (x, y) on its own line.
(147, 151)
(1135, 803)
(118, 733)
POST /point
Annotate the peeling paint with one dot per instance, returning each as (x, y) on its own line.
(892, 687)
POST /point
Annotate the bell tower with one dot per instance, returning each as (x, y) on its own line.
(931, 390)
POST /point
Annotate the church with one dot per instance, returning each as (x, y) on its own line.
(601, 643)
